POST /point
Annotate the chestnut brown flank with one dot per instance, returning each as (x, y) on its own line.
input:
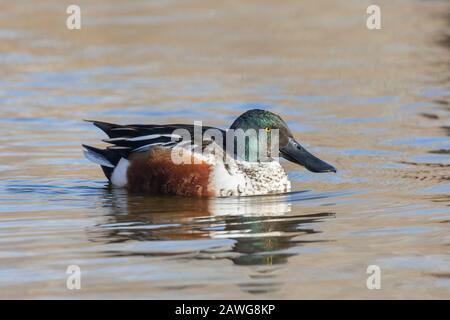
(154, 172)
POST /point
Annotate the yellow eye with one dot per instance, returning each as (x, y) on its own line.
(267, 129)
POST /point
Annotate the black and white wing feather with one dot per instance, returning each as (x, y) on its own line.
(127, 139)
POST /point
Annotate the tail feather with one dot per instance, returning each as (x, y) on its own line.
(106, 127)
(107, 159)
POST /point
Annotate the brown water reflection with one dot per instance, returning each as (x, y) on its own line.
(262, 228)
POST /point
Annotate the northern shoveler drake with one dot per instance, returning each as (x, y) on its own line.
(141, 158)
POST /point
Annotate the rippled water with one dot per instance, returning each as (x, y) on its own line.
(376, 104)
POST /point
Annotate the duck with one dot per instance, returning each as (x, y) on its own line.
(165, 159)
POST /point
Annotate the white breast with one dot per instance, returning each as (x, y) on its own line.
(241, 178)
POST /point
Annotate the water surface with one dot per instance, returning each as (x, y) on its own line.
(376, 104)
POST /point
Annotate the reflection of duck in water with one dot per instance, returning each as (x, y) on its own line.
(262, 227)
(142, 157)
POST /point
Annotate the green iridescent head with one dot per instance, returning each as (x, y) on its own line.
(266, 121)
